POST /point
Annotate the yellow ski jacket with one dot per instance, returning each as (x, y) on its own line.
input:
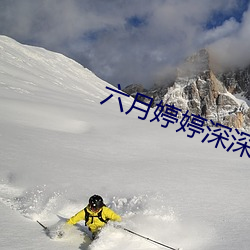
(94, 223)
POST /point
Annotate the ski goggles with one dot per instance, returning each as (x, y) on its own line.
(94, 208)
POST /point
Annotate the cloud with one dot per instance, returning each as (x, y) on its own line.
(125, 41)
(228, 28)
(233, 49)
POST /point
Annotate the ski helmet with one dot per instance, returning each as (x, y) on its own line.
(95, 202)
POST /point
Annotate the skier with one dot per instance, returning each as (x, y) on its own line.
(95, 214)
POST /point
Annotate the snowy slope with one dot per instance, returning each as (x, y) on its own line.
(59, 146)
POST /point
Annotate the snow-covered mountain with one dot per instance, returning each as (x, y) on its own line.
(59, 145)
(201, 89)
(198, 90)
(237, 81)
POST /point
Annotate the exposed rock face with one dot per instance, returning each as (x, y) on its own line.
(134, 88)
(157, 92)
(237, 81)
(198, 89)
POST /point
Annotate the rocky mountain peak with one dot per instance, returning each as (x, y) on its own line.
(201, 91)
(197, 64)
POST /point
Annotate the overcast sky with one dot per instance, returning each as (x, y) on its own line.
(131, 41)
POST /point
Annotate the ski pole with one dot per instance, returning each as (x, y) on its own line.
(146, 238)
(45, 228)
